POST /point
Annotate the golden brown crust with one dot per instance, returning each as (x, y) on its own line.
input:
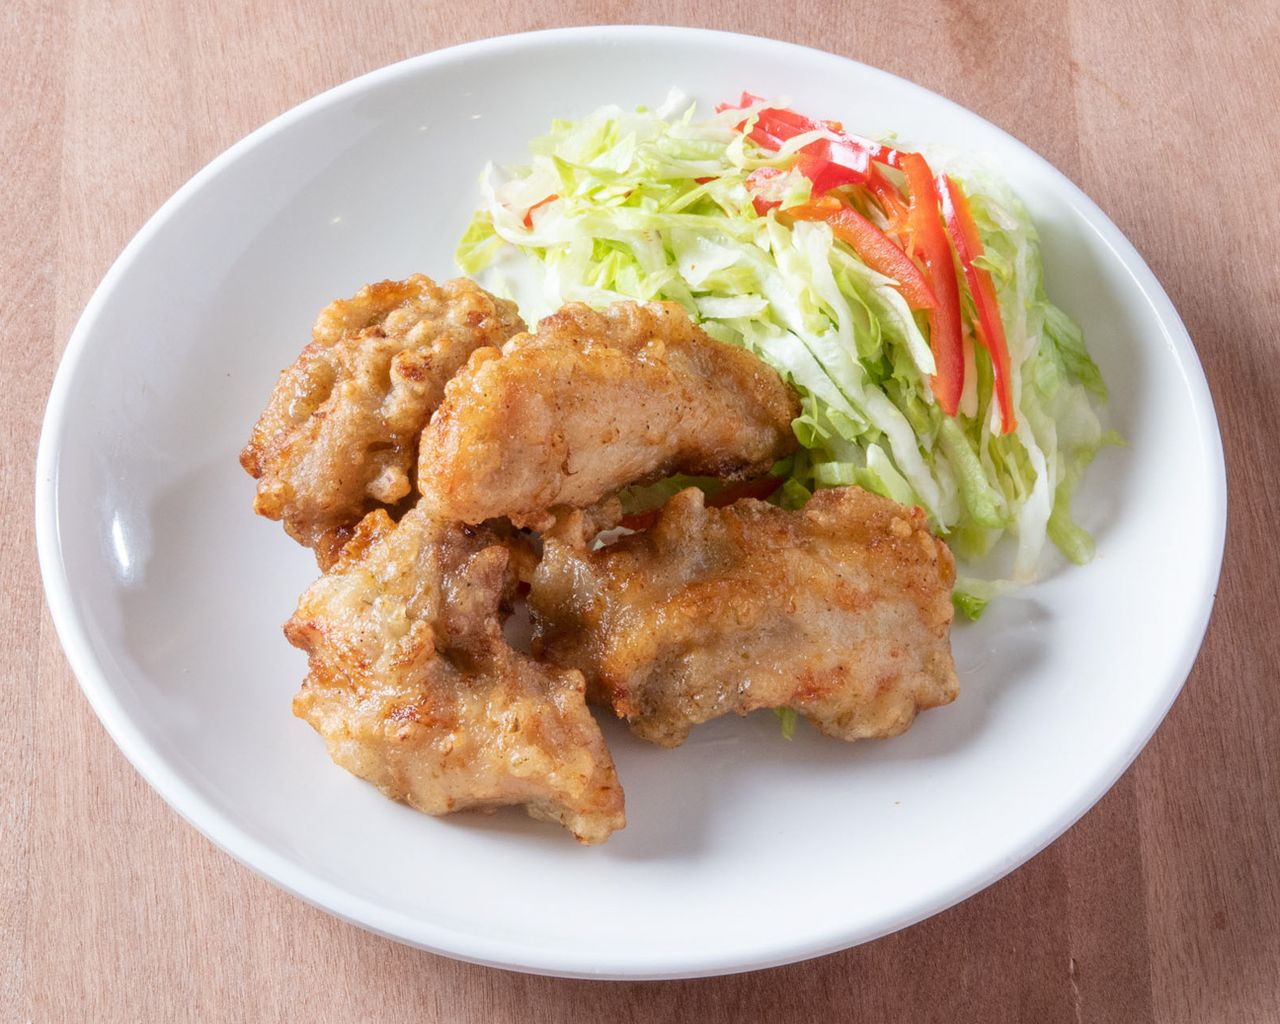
(841, 611)
(594, 401)
(580, 526)
(413, 687)
(340, 434)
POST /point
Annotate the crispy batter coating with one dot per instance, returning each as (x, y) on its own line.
(414, 689)
(840, 611)
(340, 434)
(594, 401)
(580, 526)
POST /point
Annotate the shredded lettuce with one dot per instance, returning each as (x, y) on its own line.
(972, 595)
(653, 205)
(788, 719)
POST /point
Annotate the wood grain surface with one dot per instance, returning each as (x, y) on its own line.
(1161, 905)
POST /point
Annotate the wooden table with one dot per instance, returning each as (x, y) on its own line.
(1163, 904)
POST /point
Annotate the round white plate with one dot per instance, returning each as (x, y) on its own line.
(743, 850)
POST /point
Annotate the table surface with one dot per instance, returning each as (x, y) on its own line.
(1162, 904)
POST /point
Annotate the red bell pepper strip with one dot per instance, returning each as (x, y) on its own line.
(528, 214)
(758, 489)
(779, 123)
(776, 124)
(990, 328)
(928, 240)
(760, 189)
(827, 174)
(877, 250)
(889, 200)
(773, 124)
(747, 99)
(829, 162)
(826, 162)
(822, 177)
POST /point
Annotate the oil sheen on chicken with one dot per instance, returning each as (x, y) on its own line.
(840, 611)
(413, 687)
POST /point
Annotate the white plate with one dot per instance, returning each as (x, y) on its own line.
(742, 850)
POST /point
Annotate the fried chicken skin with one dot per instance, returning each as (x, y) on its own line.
(340, 434)
(593, 401)
(413, 687)
(840, 611)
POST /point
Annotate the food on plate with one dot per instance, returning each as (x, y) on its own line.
(340, 434)
(413, 687)
(901, 294)
(581, 526)
(845, 344)
(840, 611)
(592, 401)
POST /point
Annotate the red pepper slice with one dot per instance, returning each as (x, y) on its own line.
(759, 489)
(775, 125)
(758, 185)
(990, 328)
(877, 250)
(785, 124)
(823, 177)
(889, 200)
(745, 100)
(929, 242)
(838, 167)
(528, 214)
(850, 160)
(828, 163)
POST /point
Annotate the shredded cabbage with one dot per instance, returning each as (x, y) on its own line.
(653, 205)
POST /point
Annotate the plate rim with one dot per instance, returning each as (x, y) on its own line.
(227, 835)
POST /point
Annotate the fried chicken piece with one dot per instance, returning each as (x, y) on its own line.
(594, 401)
(580, 526)
(840, 611)
(414, 689)
(340, 434)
